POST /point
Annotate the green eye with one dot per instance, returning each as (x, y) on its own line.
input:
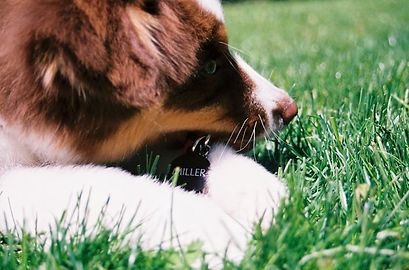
(210, 67)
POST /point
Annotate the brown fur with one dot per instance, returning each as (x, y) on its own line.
(104, 77)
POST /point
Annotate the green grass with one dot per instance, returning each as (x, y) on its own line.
(345, 158)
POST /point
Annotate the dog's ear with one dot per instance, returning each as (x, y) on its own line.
(71, 58)
(60, 69)
(65, 73)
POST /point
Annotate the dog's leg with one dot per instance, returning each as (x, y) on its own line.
(243, 188)
(35, 198)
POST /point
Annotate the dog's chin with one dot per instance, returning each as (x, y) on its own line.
(171, 145)
(183, 140)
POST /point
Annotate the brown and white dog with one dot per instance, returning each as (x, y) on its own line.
(84, 83)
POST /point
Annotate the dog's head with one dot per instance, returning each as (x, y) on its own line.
(92, 81)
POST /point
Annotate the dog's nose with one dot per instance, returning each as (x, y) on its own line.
(290, 112)
(289, 109)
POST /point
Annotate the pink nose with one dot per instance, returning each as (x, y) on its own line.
(288, 109)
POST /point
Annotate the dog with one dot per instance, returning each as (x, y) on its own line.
(87, 83)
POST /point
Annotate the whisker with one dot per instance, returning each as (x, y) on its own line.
(228, 57)
(270, 132)
(232, 133)
(242, 137)
(254, 141)
(273, 133)
(253, 133)
(262, 124)
(266, 139)
(235, 48)
(241, 128)
(228, 141)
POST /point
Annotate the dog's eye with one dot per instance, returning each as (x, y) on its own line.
(210, 67)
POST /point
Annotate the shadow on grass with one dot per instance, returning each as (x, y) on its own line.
(288, 145)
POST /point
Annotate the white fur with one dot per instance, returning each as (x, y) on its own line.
(244, 188)
(266, 94)
(213, 6)
(24, 148)
(47, 147)
(13, 153)
(240, 192)
(34, 198)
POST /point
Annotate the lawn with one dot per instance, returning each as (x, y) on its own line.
(345, 158)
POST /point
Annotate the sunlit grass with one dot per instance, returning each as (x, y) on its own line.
(346, 156)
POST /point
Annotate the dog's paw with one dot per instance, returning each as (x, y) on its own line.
(243, 188)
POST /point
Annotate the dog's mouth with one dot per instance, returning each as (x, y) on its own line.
(184, 140)
(172, 145)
